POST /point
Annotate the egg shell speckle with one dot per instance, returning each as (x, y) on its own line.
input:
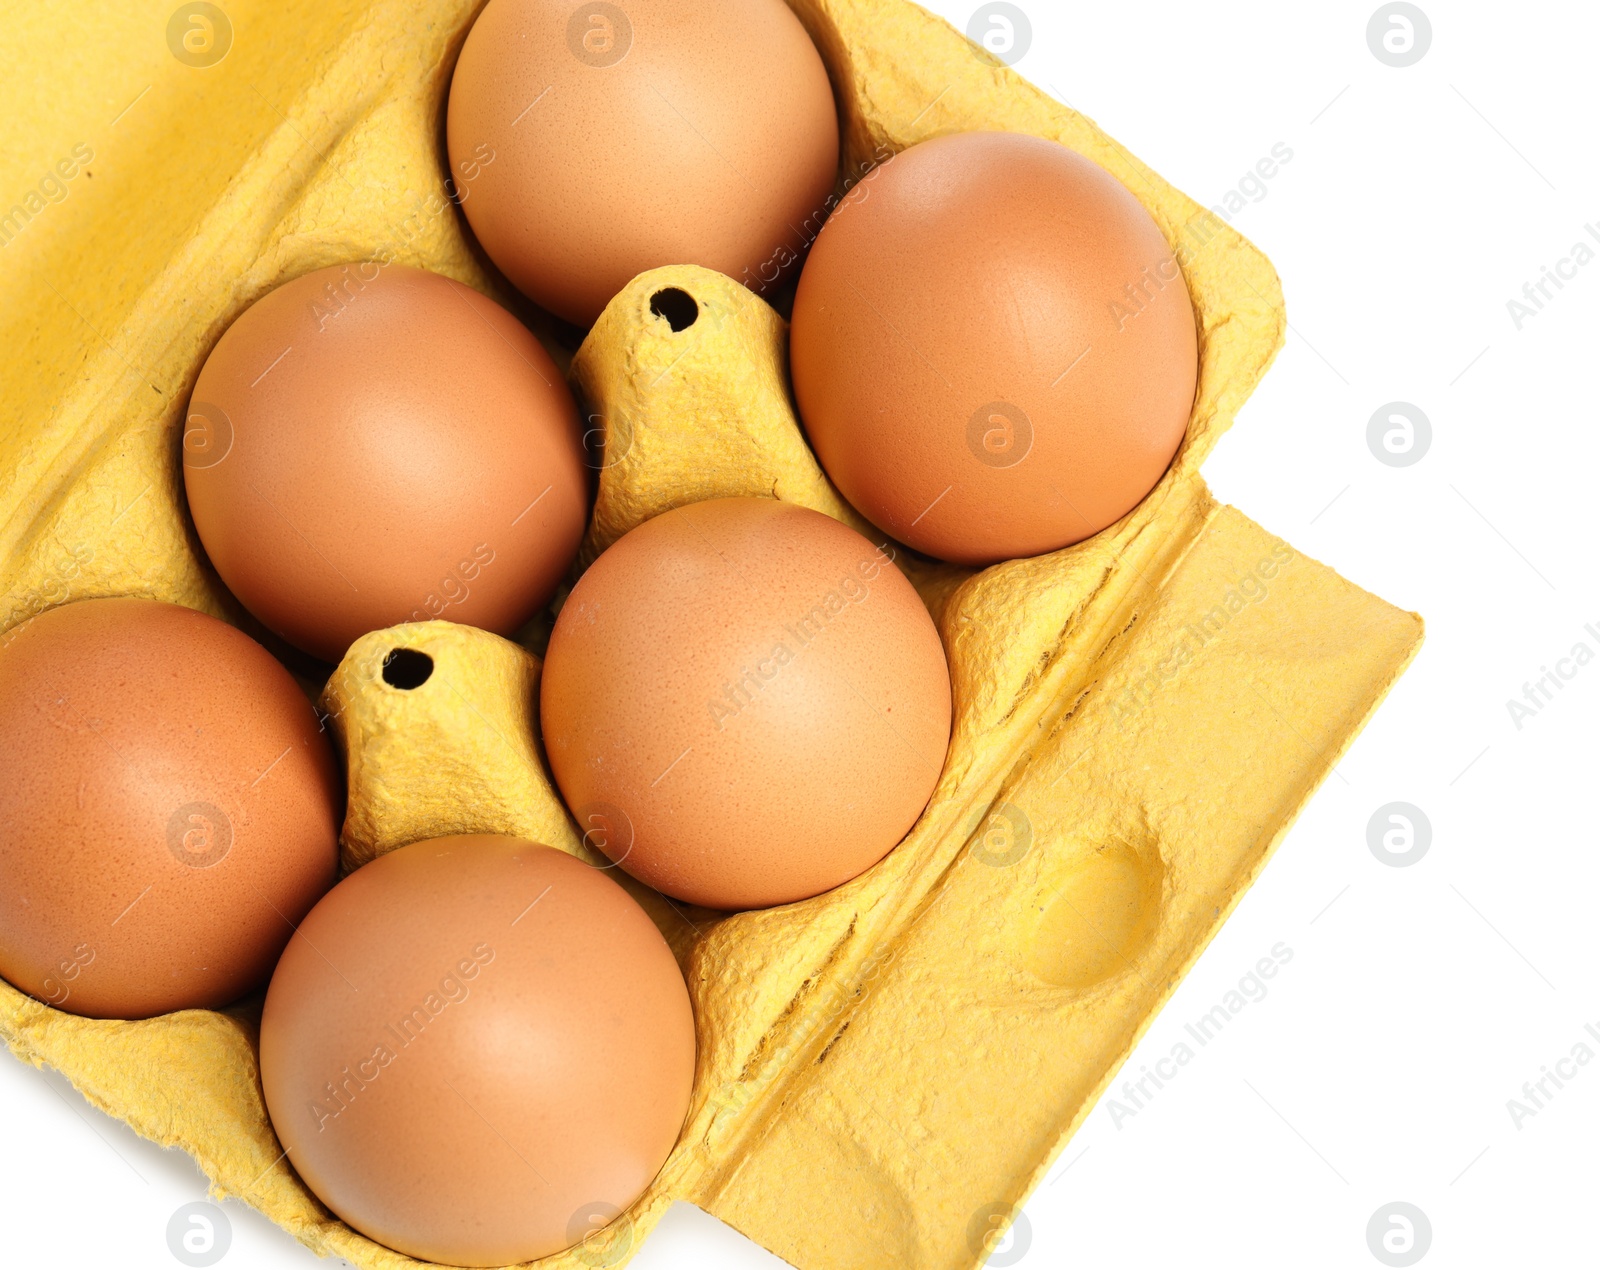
(475, 1040)
(746, 701)
(168, 809)
(595, 142)
(370, 444)
(993, 348)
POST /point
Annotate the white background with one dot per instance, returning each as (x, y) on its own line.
(1419, 999)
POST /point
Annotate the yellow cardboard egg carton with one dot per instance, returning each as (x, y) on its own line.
(1138, 718)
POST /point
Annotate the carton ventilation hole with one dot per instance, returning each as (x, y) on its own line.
(677, 306)
(406, 668)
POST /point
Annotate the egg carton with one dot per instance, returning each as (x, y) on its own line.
(885, 1071)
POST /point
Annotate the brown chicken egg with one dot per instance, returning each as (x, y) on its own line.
(745, 703)
(372, 444)
(474, 1046)
(590, 142)
(169, 809)
(993, 348)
